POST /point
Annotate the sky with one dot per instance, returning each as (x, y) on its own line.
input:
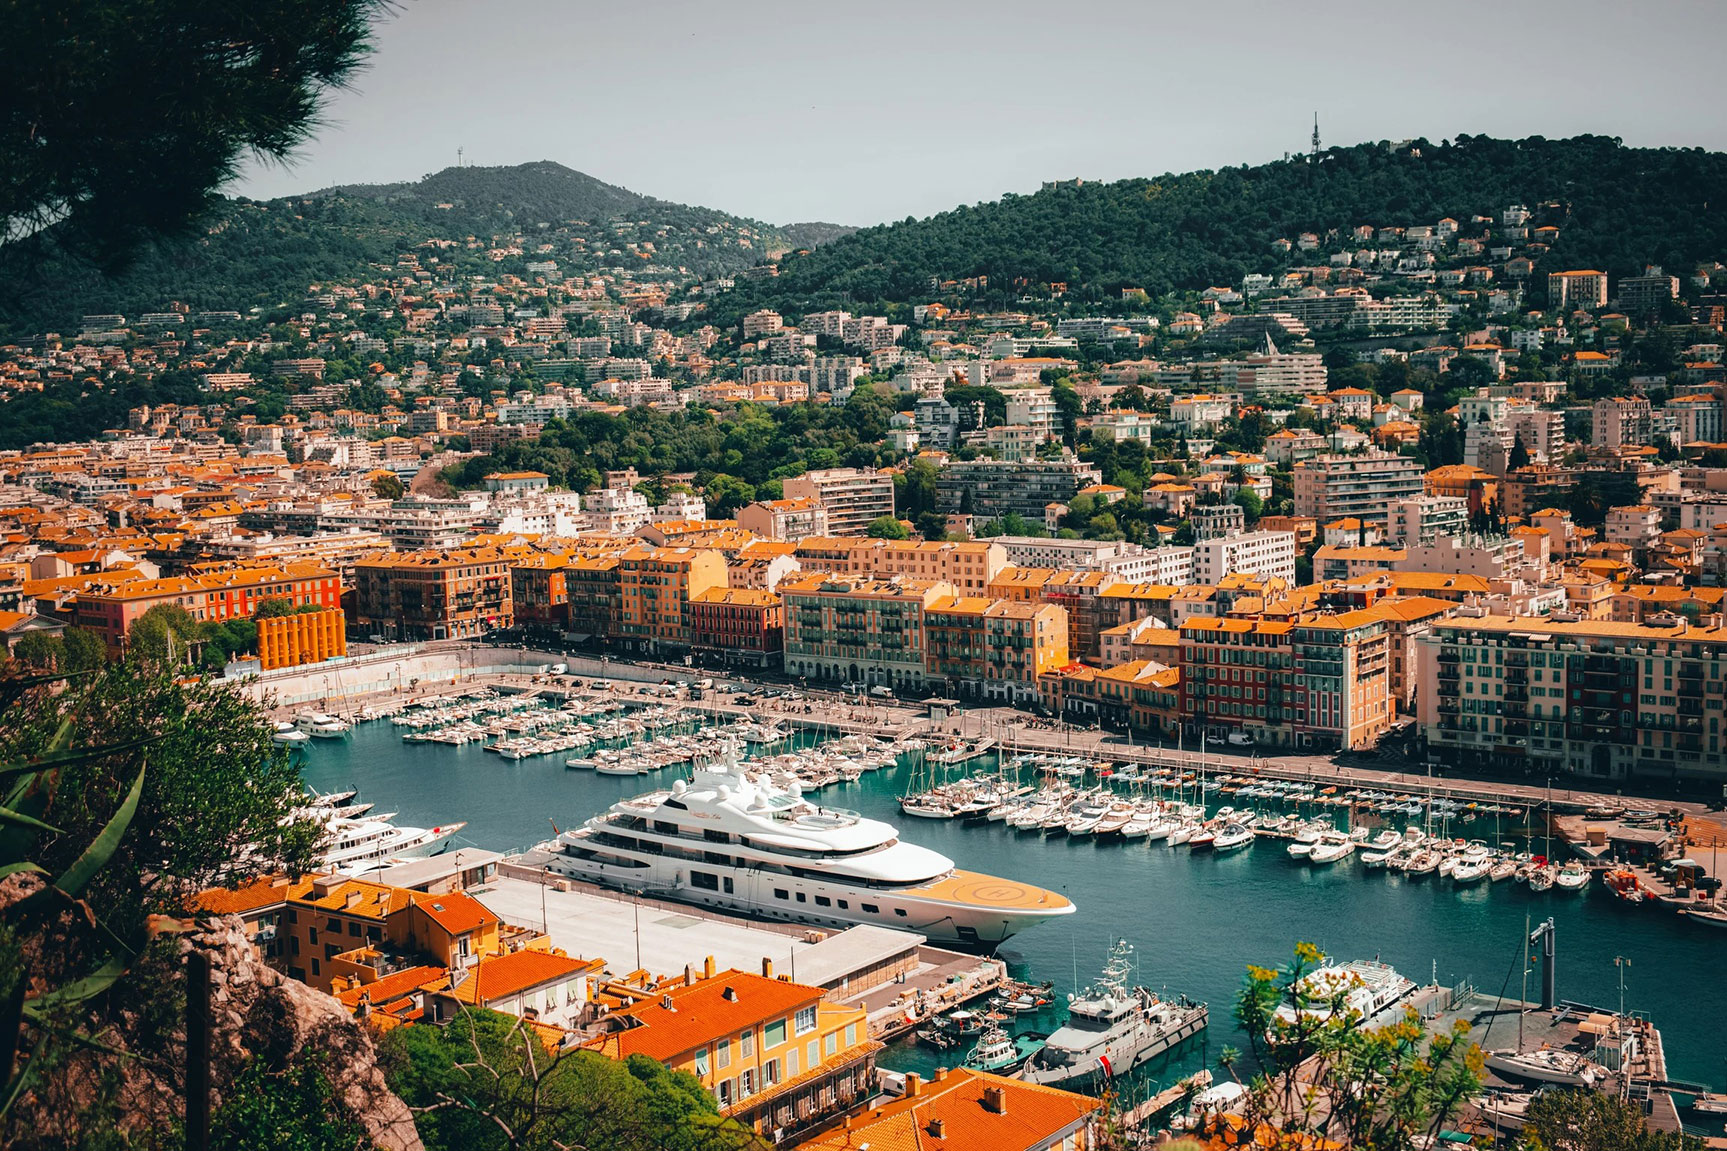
(864, 113)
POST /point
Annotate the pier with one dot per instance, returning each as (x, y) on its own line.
(1146, 1109)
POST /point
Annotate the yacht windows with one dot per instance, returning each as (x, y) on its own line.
(728, 882)
(823, 901)
(870, 908)
(844, 906)
(704, 880)
(801, 898)
(781, 893)
(665, 827)
(969, 934)
(899, 911)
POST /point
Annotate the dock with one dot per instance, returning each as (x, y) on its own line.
(1141, 1112)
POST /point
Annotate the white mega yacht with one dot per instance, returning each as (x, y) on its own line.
(731, 839)
(356, 845)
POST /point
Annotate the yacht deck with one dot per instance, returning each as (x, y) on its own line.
(979, 890)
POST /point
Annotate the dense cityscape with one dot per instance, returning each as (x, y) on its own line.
(505, 661)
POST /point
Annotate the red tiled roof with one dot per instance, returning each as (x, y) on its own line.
(456, 911)
(393, 986)
(1031, 1116)
(702, 1013)
(240, 900)
(500, 976)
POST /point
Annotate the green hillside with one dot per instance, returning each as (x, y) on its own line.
(1617, 207)
(265, 253)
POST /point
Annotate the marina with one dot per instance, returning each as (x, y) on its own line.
(1250, 904)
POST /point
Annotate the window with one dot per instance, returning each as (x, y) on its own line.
(702, 1066)
(774, 1033)
(704, 880)
(723, 1054)
(314, 967)
(354, 930)
(831, 1043)
(747, 1083)
(801, 898)
(770, 1072)
(747, 1044)
(781, 893)
(314, 935)
(851, 1034)
(823, 901)
(804, 1022)
(870, 908)
(813, 1055)
(844, 906)
(899, 911)
(723, 1092)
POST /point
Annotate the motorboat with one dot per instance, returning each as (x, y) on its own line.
(1572, 877)
(1469, 871)
(290, 734)
(1301, 847)
(1232, 837)
(1364, 990)
(1331, 848)
(319, 725)
(740, 841)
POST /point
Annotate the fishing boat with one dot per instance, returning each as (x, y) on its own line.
(1000, 1053)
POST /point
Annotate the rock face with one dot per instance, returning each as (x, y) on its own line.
(257, 1012)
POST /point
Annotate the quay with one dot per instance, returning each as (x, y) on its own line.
(1147, 1109)
(896, 976)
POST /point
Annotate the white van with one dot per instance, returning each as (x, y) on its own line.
(881, 692)
(560, 669)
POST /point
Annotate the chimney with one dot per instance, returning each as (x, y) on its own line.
(767, 968)
(939, 1076)
(667, 1004)
(995, 1100)
(730, 995)
(937, 1129)
(353, 898)
(708, 967)
(913, 1085)
(689, 976)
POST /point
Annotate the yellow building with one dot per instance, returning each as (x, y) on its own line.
(776, 1055)
(336, 926)
(855, 630)
(291, 640)
(655, 587)
(993, 649)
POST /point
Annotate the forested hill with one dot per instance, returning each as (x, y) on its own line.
(266, 253)
(1617, 207)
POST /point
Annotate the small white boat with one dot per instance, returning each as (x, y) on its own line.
(1331, 848)
(287, 733)
(1546, 1065)
(1470, 871)
(1572, 877)
(1233, 836)
(318, 725)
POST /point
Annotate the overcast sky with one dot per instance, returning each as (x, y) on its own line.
(861, 113)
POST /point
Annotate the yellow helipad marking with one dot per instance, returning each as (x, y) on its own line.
(991, 891)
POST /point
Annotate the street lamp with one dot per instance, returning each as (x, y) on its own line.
(1621, 963)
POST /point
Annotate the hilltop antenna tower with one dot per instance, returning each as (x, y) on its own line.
(459, 147)
(1316, 137)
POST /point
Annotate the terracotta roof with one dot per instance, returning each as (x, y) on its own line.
(393, 986)
(456, 911)
(702, 1013)
(1031, 1116)
(247, 897)
(500, 976)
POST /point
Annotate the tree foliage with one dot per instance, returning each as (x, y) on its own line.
(887, 528)
(122, 120)
(1573, 1120)
(1326, 1071)
(485, 1082)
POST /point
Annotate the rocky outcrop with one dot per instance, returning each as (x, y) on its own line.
(133, 1082)
(258, 1013)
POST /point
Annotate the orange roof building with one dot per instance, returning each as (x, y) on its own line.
(965, 1110)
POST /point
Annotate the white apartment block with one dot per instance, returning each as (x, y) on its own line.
(1332, 487)
(1201, 413)
(1033, 408)
(1620, 421)
(854, 497)
(1256, 553)
(616, 510)
(1580, 289)
(1421, 519)
(1124, 425)
(1543, 431)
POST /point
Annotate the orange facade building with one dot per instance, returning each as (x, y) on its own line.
(291, 640)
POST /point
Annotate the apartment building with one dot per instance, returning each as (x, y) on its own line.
(995, 650)
(787, 519)
(852, 629)
(338, 927)
(110, 609)
(1256, 553)
(968, 565)
(1422, 519)
(1332, 487)
(1621, 421)
(431, 595)
(777, 1055)
(1584, 288)
(1320, 680)
(854, 498)
(962, 1108)
(990, 489)
(741, 627)
(656, 587)
(1590, 697)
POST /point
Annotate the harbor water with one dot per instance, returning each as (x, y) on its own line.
(1196, 919)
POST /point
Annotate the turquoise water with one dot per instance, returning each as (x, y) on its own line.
(1196, 920)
